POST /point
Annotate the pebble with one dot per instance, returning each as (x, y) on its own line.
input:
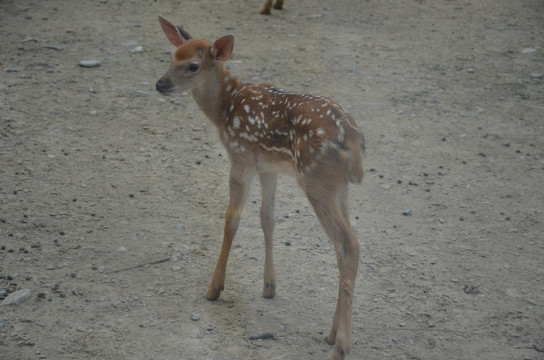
(122, 250)
(528, 51)
(12, 70)
(141, 92)
(407, 212)
(2, 325)
(353, 70)
(195, 317)
(89, 63)
(513, 293)
(540, 271)
(17, 297)
(137, 49)
(130, 43)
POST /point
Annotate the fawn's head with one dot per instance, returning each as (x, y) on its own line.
(193, 61)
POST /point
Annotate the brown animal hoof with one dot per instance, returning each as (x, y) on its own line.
(269, 290)
(213, 293)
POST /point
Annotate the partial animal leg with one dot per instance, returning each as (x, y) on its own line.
(343, 202)
(278, 4)
(325, 204)
(268, 186)
(239, 183)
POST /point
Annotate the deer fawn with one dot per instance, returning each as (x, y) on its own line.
(267, 131)
(268, 5)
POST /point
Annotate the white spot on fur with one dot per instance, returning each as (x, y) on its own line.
(236, 122)
(248, 137)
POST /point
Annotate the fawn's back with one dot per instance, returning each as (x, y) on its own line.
(281, 131)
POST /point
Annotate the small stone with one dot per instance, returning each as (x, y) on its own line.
(89, 63)
(353, 70)
(122, 250)
(2, 325)
(287, 243)
(528, 51)
(137, 49)
(12, 70)
(513, 293)
(130, 43)
(141, 92)
(195, 317)
(540, 271)
(176, 268)
(17, 297)
(407, 212)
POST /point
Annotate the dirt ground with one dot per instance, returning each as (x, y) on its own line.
(112, 197)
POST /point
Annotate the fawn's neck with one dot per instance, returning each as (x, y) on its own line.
(213, 96)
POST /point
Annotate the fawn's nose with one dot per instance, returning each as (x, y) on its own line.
(163, 85)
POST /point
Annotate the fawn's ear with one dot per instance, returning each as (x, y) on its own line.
(173, 33)
(222, 48)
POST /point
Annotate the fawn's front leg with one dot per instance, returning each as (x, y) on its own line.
(239, 182)
(268, 190)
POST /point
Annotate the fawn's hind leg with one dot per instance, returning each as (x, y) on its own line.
(333, 219)
(268, 189)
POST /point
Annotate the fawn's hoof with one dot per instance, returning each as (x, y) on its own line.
(340, 351)
(214, 292)
(269, 290)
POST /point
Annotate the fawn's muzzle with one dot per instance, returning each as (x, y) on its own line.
(164, 85)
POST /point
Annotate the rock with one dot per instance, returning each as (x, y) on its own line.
(89, 63)
(407, 212)
(513, 293)
(17, 297)
(528, 51)
(137, 49)
(141, 92)
(12, 70)
(195, 317)
(122, 250)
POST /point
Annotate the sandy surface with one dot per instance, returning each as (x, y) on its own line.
(112, 196)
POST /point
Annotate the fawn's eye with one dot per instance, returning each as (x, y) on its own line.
(193, 67)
